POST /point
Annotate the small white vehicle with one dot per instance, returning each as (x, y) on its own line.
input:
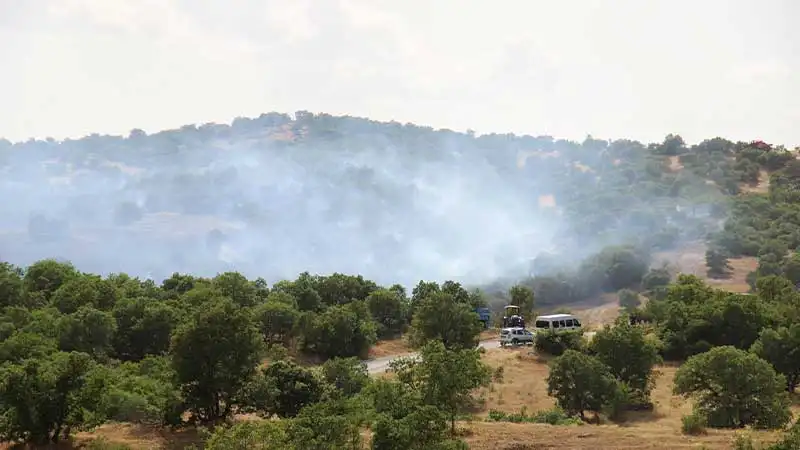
(515, 336)
(557, 322)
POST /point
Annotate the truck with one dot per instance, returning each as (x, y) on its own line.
(484, 316)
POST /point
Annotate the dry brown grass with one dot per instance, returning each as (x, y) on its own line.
(143, 438)
(691, 260)
(737, 281)
(390, 347)
(596, 312)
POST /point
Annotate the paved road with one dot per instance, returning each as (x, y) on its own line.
(379, 365)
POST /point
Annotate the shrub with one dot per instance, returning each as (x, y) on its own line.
(556, 343)
(693, 424)
(553, 416)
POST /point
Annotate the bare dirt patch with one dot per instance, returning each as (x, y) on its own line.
(142, 437)
(392, 347)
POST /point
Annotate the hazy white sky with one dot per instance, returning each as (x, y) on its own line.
(613, 69)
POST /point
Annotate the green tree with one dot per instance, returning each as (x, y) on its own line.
(340, 331)
(656, 278)
(326, 426)
(283, 388)
(251, 435)
(144, 327)
(717, 263)
(734, 388)
(84, 290)
(347, 376)
(629, 354)
(388, 309)
(10, 285)
(22, 345)
(445, 378)
(781, 348)
(236, 287)
(143, 392)
(628, 299)
(439, 317)
(88, 330)
(523, 297)
(403, 421)
(580, 383)
(42, 400)
(42, 278)
(215, 353)
(791, 268)
(277, 320)
(424, 429)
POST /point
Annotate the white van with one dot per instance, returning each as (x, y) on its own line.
(558, 322)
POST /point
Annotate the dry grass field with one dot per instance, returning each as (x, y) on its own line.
(525, 385)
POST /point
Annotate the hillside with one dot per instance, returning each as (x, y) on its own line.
(277, 195)
(215, 276)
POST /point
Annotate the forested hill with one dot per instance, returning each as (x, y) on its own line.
(278, 195)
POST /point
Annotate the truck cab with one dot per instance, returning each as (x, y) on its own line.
(484, 316)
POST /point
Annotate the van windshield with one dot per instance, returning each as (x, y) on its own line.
(542, 324)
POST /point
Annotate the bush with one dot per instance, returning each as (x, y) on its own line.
(556, 343)
(628, 299)
(693, 424)
(734, 388)
(553, 416)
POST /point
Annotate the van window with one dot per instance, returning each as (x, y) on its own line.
(542, 324)
(555, 324)
(503, 331)
(577, 323)
(569, 322)
(563, 324)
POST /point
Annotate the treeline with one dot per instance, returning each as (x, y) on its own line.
(77, 350)
(763, 225)
(205, 179)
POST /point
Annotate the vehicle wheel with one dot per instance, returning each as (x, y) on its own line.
(514, 342)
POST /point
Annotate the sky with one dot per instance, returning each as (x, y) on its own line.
(613, 69)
